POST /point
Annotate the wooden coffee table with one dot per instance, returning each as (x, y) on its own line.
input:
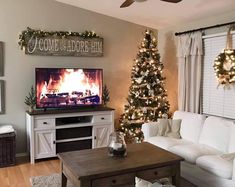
(94, 168)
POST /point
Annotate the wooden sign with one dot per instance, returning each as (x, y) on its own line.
(64, 46)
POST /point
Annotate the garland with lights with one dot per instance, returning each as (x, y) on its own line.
(28, 33)
(147, 99)
(224, 67)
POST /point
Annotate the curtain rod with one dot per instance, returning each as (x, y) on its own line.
(204, 28)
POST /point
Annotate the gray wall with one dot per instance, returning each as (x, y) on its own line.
(121, 40)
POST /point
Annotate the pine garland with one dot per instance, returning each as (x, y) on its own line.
(28, 33)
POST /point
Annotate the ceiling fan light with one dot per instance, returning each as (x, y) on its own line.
(172, 1)
(140, 0)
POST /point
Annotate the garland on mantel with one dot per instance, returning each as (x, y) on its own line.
(28, 33)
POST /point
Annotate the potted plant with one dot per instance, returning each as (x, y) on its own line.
(105, 96)
(31, 99)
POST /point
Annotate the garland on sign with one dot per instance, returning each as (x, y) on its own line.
(224, 67)
(28, 33)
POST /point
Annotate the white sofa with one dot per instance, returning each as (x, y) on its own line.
(206, 144)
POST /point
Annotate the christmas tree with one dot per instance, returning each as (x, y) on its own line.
(147, 99)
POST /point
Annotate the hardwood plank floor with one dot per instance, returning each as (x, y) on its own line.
(18, 176)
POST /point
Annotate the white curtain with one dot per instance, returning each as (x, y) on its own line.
(189, 55)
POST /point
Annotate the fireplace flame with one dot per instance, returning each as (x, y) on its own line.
(72, 84)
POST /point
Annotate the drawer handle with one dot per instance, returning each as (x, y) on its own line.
(155, 173)
(114, 181)
(102, 118)
(44, 123)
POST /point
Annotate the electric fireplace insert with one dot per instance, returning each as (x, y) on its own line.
(68, 87)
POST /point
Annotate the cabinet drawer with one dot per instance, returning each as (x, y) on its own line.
(102, 118)
(44, 123)
(117, 180)
(156, 173)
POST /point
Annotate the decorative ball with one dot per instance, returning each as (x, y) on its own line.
(165, 116)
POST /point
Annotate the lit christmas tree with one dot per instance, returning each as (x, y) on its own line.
(147, 99)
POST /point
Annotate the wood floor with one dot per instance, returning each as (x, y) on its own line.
(18, 176)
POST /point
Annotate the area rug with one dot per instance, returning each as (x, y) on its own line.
(53, 180)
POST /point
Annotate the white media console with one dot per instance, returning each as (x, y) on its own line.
(50, 132)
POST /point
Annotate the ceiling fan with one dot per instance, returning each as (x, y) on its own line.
(129, 2)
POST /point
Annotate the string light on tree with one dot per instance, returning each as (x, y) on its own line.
(147, 99)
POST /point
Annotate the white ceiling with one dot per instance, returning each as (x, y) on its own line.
(155, 13)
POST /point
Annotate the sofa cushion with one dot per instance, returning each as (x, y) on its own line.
(217, 165)
(216, 133)
(166, 142)
(191, 125)
(192, 151)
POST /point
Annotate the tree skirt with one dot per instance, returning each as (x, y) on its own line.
(54, 180)
(47, 181)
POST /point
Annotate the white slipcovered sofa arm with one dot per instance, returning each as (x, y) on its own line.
(149, 129)
(233, 176)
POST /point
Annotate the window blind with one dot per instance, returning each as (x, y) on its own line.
(218, 101)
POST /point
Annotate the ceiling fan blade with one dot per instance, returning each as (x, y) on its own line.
(172, 1)
(127, 3)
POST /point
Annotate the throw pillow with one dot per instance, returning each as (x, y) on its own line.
(174, 128)
(163, 127)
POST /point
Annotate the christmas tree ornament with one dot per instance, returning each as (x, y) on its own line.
(151, 92)
(139, 80)
(144, 110)
(133, 116)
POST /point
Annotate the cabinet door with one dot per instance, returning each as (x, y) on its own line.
(101, 135)
(45, 143)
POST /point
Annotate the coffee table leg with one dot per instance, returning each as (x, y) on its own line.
(176, 178)
(63, 180)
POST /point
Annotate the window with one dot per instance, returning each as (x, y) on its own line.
(218, 101)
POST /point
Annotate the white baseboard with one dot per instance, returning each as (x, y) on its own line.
(21, 154)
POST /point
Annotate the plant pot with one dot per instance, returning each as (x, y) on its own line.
(31, 109)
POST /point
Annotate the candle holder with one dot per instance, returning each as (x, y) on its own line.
(117, 145)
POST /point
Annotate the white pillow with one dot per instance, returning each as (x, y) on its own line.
(6, 129)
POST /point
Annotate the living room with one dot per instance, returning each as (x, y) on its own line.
(122, 31)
